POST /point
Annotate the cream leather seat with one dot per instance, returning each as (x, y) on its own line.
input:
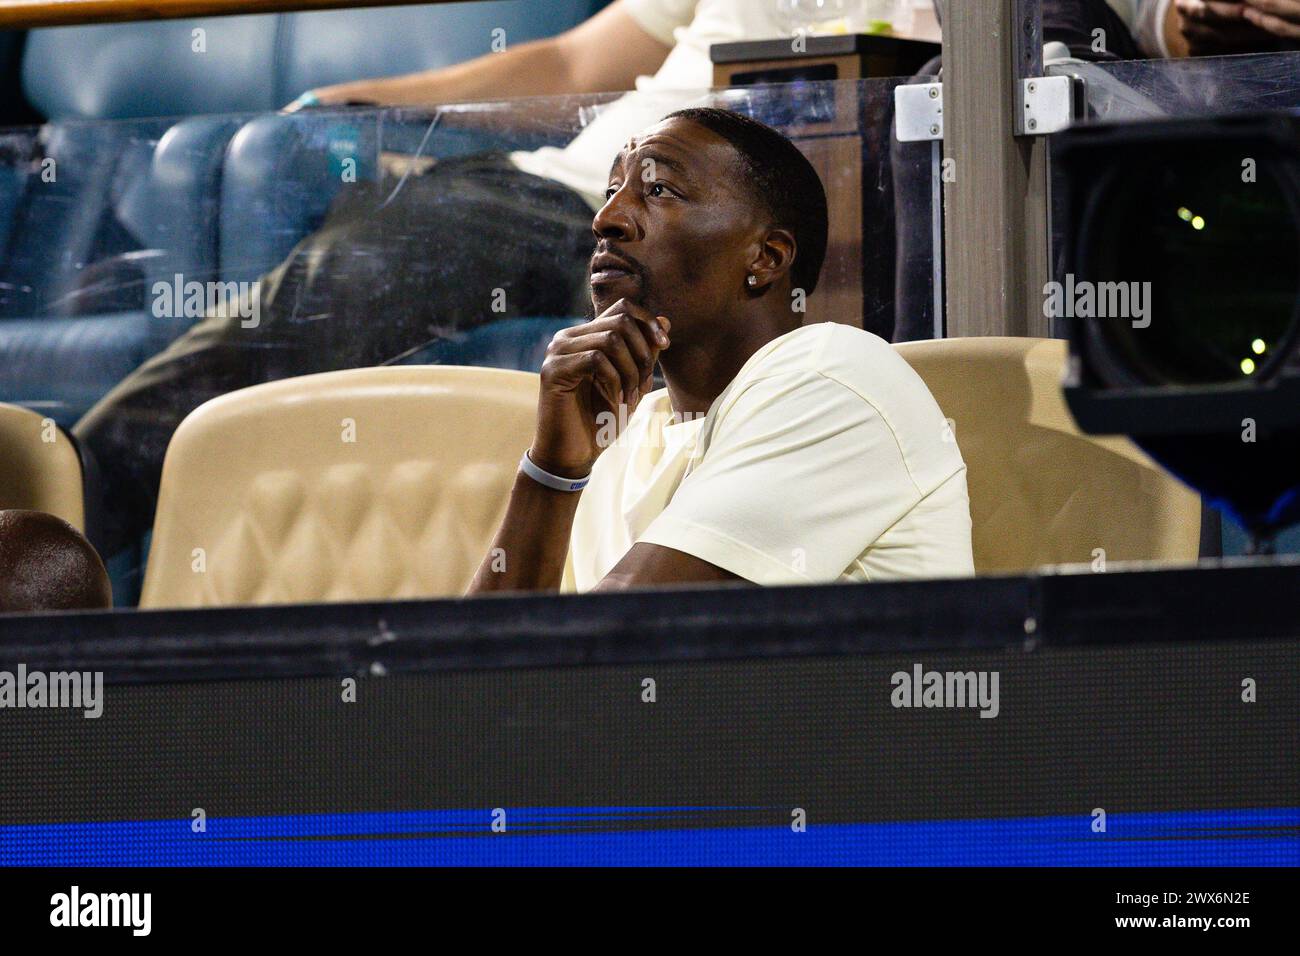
(40, 469)
(375, 483)
(265, 500)
(1041, 491)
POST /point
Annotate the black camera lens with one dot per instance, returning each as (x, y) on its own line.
(1205, 243)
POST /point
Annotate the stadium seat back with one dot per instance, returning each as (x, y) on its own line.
(365, 484)
(40, 469)
(1042, 492)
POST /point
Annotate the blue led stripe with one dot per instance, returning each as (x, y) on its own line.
(596, 835)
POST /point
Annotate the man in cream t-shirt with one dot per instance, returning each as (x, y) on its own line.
(825, 459)
(777, 453)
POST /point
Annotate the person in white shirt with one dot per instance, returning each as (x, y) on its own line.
(657, 48)
(778, 453)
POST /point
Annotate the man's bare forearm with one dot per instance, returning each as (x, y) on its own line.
(1175, 42)
(588, 371)
(530, 69)
(605, 53)
(529, 549)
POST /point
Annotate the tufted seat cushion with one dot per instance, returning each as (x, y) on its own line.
(266, 500)
(376, 483)
(1041, 492)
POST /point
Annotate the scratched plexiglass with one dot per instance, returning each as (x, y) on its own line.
(147, 266)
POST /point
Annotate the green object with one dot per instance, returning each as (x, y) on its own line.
(1217, 244)
(877, 27)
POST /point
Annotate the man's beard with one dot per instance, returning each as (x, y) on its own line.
(645, 298)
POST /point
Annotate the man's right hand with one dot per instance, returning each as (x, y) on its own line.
(1216, 27)
(589, 372)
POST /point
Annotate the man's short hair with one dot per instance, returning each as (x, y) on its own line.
(48, 565)
(780, 177)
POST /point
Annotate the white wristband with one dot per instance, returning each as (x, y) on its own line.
(548, 480)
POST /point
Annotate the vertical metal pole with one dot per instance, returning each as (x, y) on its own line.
(995, 212)
(936, 236)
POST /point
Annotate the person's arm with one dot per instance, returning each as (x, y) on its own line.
(1217, 27)
(603, 54)
(648, 564)
(1156, 29)
(1281, 18)
(1175, 42)
(589, 372)
(530, 547)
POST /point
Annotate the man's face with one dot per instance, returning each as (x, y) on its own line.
(678, 229)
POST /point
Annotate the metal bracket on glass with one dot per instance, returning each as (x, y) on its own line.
(1046, 105)
(918, 112)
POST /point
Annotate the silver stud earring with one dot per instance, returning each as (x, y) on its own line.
(753, 280)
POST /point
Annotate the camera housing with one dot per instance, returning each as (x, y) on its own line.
(1192, 228)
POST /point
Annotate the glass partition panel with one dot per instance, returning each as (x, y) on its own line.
(149, 266)
(1197, 86)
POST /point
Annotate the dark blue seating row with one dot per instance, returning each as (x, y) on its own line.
(94, 214)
